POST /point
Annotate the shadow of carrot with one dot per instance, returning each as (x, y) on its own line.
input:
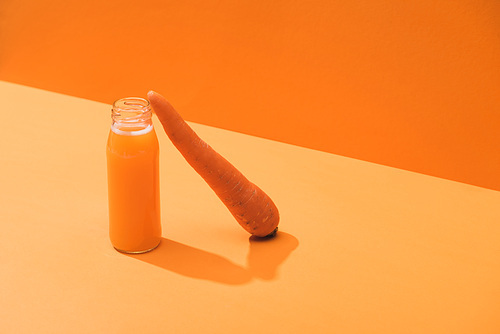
(266, 255)
(264, 258)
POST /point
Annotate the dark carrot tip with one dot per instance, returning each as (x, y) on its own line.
(269, 236)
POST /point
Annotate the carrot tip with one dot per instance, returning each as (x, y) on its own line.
(151, 93)
(270, 235)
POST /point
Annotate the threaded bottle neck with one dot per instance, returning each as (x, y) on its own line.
(131, 116)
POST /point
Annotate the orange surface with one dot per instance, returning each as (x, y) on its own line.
(411, 84)
(362, 248)
(133, 190)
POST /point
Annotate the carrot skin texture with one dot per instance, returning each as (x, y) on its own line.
(252, 208)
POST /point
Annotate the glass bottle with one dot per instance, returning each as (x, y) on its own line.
(132, 154)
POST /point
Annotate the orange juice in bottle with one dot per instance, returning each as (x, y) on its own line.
(132, 154)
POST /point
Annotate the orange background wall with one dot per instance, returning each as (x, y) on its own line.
(410, 84)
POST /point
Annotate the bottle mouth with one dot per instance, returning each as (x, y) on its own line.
(131, 107)
(131, 114)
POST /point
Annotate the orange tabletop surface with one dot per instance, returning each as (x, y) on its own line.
(362, 248)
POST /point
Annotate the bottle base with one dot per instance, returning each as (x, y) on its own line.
(137, 252)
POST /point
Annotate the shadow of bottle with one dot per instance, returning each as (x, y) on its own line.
(264, 257)
(195, 263)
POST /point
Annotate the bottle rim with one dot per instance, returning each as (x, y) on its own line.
(131, 116)
(131, 104)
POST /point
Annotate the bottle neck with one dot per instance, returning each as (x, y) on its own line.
(131, 116)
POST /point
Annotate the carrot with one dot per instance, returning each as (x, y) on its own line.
(250, 206)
